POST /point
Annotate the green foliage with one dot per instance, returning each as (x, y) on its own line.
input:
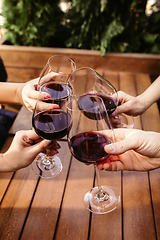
(105, 25)
(113, 26)
(34, 23)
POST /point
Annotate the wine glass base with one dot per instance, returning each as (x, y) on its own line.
(105, 204)
(44, 169)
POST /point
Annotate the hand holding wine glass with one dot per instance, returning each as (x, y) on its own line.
(86, 143)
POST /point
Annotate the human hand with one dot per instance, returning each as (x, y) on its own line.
(130, 105)
(25, 147)
(30, 92)
(134, 150)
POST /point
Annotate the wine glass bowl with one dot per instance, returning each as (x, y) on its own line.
(60, 66)
(87, 81)
(126, 121)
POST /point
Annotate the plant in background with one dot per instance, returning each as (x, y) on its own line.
(113, 26)
(34, 23)
(105, 25)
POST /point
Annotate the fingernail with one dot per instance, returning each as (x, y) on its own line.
(46, 96)
(109, 147)
(56, 107)
(26, 139)
(49, 142)
(58, 145)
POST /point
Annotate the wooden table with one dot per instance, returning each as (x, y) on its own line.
(36, 208)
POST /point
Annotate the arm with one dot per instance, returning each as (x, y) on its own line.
(11, 92)
(152, 94)
(138, 105)
(135, 150)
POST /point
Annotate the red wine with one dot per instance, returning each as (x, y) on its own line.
(88, 147)
(59, 92)
(87, 102)
(51, 124)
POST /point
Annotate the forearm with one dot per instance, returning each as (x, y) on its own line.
(151, 94)
(11, 93)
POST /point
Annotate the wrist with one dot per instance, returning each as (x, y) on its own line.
(19, 93)
(143, 102)
(4, 167)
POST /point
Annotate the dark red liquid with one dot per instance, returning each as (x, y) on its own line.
(51, 124)
(86, 102)
(88, 147)
(59, 92)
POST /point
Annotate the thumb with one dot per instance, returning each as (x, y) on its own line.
(121, 109)
(119, 147)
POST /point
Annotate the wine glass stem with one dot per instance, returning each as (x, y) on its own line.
(47, 161)
(101, 195)
(97, 177)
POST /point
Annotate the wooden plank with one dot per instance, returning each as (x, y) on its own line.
(154, 181)
(128, 85)
(151, 118)
(16, 202)
(151, 122)
(22, 74)
(112, 77)
(23, 121)
(137, 210)
(74, 217)
(102, 225)
(22, 56)
(5, 178)
(43, 216)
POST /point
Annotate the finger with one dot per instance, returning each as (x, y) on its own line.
(121, 146)
(30, 104)
(115, 121)
(41, 106)
(29, 136)
(53, 145)
(113, 166)
(50, 76)
(39, 147)
(41, 96)
(121, 109)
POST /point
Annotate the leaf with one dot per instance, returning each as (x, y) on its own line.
(112, 30)
(103, 4)
(150, 38)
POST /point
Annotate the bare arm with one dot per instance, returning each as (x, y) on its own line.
(151, 94)
(11, 93)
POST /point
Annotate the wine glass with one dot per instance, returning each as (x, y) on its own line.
(86, 140)
(85, 80)
(50, 120)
